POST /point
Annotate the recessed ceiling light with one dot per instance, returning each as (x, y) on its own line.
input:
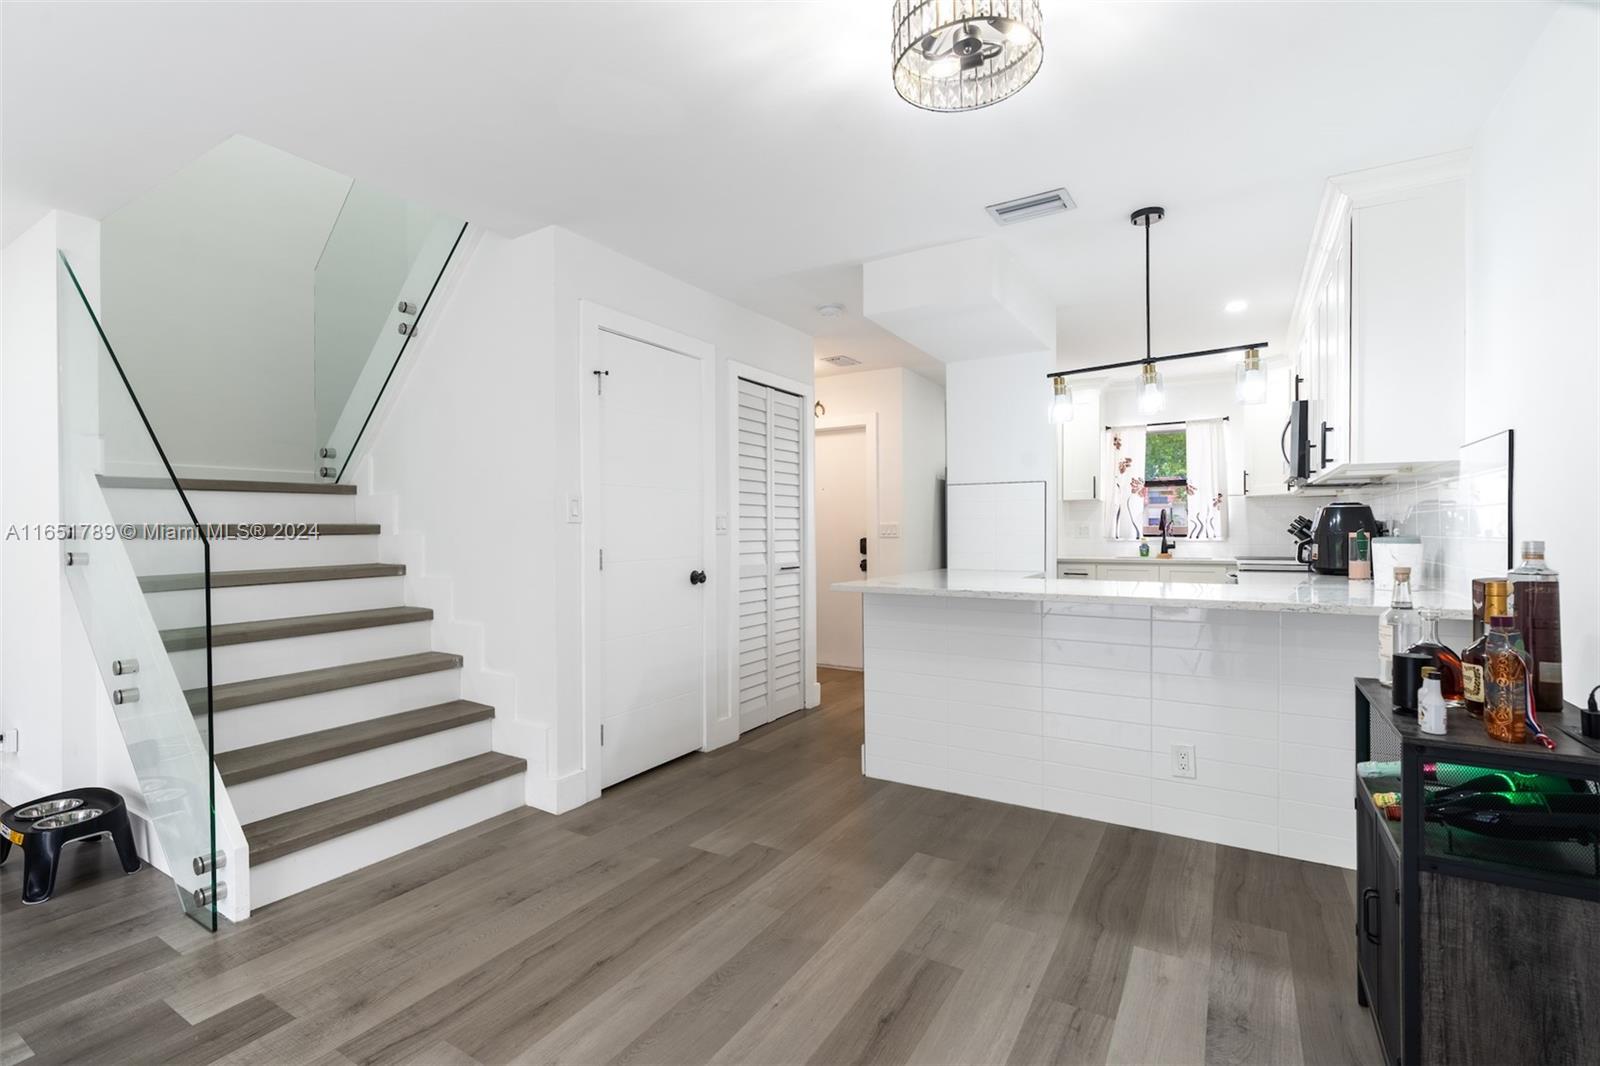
(831, 310)
(1234, 307)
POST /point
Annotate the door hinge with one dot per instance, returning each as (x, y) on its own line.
(600, 381)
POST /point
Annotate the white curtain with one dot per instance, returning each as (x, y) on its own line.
(1122, 474)
(1206, 467)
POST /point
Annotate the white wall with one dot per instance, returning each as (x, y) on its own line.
(911, 459)
(208, 303)
(50, 692)
(480, 442)
(1533, 345)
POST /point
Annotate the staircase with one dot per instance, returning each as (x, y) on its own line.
(340, 733)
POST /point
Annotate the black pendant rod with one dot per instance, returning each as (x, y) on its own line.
(1154, 359)
(1147, 349)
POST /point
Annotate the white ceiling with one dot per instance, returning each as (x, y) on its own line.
(759, 150)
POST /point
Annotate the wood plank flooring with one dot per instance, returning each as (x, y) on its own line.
(761, 903)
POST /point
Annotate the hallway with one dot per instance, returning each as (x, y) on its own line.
(761, 903)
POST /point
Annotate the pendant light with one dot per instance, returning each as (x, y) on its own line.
(960, 55)
(1061, 402)
(1152, 390)
(1250, 380)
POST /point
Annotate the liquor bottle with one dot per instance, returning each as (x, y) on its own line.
(1505, 683)
(1397, 629)
(1447, 662)
(1496, 600)
(1536, 603)
(1431, 705)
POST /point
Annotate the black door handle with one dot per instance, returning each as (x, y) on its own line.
(1322, 449)
(697, 577)
(1369, 928)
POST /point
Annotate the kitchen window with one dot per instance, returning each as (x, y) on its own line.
(1166, 480)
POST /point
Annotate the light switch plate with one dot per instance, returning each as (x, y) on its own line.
(889, 531)
(574, 508)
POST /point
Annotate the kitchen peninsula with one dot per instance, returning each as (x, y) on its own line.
(1220, 712)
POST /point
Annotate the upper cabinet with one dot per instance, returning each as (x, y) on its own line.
(1079, 448)
(1256, 465)
(1379, 327)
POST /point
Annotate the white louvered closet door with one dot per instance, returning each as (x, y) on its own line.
(771, 626)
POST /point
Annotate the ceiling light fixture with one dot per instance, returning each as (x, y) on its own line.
(831, 310)
(960, 55)
(1250, 380)
(1061, 402)
(1236, 307)
(1152, 390)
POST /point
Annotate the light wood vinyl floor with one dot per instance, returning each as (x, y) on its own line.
(764, 903)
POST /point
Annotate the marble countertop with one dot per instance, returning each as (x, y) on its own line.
(1299, 593)
(1135, 560)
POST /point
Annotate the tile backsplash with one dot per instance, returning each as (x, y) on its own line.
(1464, 520)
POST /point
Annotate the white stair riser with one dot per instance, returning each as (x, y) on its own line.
(237, 553)
(250, 603)
(323, 862)
(269, 658)
(267, 796)
(263, 722)
(215, 508)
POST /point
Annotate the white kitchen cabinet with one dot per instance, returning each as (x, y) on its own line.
(1197, 575)
(1379, 326)
(1127, 572)
(1078, 448)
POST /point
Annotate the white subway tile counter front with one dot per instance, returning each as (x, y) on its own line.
(1073, 696)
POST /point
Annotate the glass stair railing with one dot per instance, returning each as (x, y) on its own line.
(377, 273)
(138, 565)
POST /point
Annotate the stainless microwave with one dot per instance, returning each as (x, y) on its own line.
(1297, 441)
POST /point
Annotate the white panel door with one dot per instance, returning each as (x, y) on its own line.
(770, 510)
(842, 521)
(653, 624)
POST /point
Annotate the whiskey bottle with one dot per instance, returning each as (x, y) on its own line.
(1447, 662)
(1505, 683)
(1496, 600)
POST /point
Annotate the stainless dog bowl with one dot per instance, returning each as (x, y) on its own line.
(48, 807)
(66, 818)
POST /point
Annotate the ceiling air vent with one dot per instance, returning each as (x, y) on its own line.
(840, 360)
(1036, 206)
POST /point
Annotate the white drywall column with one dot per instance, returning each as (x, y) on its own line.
(996, 427)
(1533, 344)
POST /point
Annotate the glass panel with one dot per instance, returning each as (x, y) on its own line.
(140, 575)
(376, 273)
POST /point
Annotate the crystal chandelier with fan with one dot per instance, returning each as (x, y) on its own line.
(960, 55)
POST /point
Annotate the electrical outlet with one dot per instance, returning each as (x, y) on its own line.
(722, 523)
(889, 531)
(1183, 760)
(8, 740)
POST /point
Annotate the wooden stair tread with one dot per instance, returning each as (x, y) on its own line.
(236, 694)
(305, 625)
(215, 484)
(284, 834)
(279, 756)
(284, 575)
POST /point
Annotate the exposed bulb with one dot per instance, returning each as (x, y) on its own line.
(1061, 402)
(1152, 391)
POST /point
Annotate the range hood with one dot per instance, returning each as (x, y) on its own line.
(1352, 475)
